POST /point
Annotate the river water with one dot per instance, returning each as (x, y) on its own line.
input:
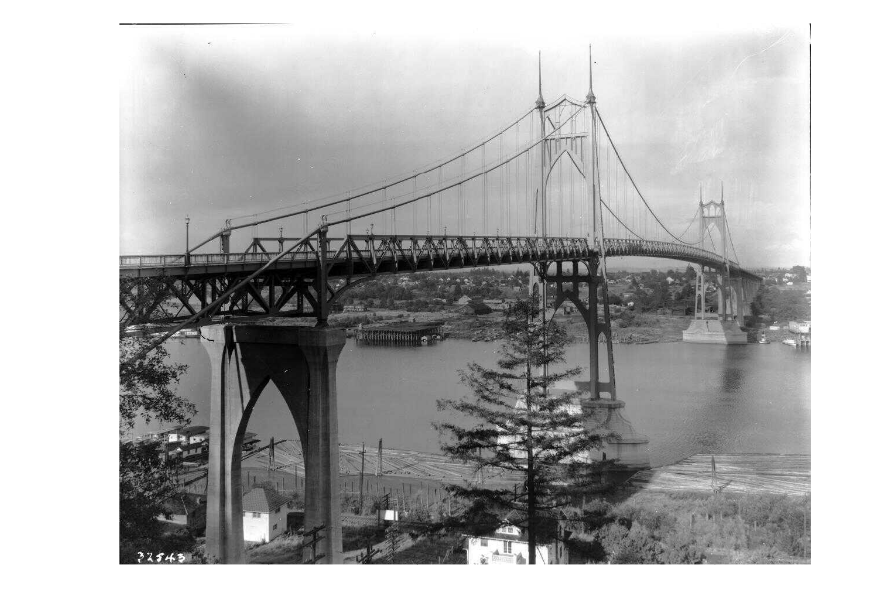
(687, 398)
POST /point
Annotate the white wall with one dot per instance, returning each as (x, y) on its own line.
(266, 527)
(476, 550)
(256, 528)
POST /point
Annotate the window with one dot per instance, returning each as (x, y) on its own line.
(256, 515)
(484, 542)
(274, 527)
(507, 547)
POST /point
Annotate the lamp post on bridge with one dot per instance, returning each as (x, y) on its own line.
(186, 240)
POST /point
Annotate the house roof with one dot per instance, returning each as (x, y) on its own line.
(192, 430)
(262, 500)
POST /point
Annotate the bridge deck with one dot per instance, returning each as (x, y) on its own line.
(365, 255)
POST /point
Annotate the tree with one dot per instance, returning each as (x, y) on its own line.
(517, 422)
(147, 390)
(690, 273)
(800, 273)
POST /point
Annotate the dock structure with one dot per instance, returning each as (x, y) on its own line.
(731, 473)
(400, 334)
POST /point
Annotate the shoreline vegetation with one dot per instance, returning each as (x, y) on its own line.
(629, 327)
(626, 524)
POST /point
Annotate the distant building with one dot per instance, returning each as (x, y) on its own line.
(799, 326)
(496, 304)
(192, 434)
(463, 300)
(265, 515)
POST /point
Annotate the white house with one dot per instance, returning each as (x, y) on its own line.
(265, 515)
(509, 545)
(192, 434)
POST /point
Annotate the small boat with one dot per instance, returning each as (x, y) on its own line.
(424, 340)
(789, 342)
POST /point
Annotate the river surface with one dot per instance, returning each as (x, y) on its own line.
(687, 398)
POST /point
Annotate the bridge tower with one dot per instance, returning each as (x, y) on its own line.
(302, 363)
(725, 327)
(598, 398)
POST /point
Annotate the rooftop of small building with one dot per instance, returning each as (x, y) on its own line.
(262, 499)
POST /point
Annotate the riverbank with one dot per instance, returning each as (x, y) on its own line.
(629, 327)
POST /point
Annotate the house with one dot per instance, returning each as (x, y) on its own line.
(799, 326)
(193, 450)
(192, 434)
(509, 545)
(265, 515)
(463, 300)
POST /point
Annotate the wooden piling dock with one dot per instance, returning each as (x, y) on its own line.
(401, 334)
(734, 473)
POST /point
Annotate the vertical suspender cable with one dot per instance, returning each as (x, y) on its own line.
(485, 195)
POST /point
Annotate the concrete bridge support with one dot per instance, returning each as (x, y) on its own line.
(598, 398)
(739, 295)
(301, 362)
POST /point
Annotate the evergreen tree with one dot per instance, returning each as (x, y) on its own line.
(516, 421)
(147, 391)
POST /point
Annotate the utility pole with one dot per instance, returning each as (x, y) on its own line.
(366, 557)
(380, 457)
(362, 470)
(714, 482)
(316, 536)
(187, 240)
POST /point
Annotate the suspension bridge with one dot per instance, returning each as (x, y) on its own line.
(549, 189)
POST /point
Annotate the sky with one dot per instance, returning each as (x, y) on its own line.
(217, 122)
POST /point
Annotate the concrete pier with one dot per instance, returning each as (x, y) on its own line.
(301, 362)
(714, 331)
(604, 417)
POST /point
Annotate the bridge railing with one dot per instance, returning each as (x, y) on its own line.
(385, 245)
(172, 260)
(154, 260)
(635, 247)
